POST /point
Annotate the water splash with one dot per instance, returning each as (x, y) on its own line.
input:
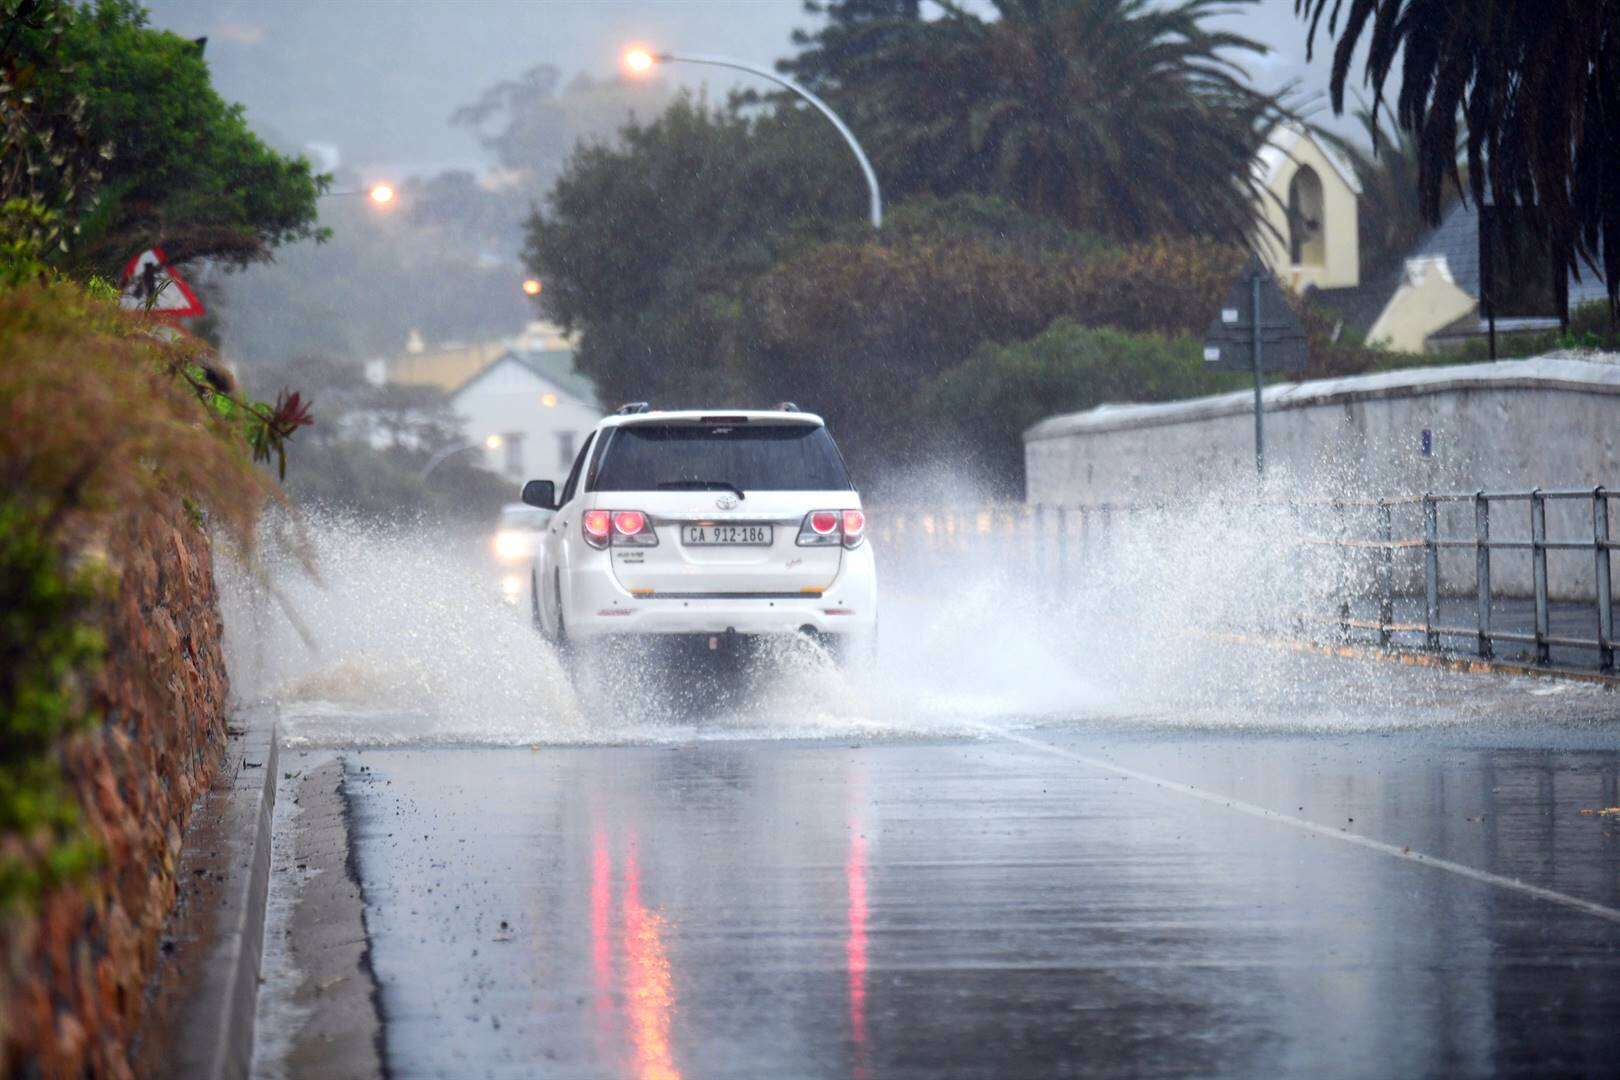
(411, 644)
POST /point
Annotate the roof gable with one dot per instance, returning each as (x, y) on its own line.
(554, 367)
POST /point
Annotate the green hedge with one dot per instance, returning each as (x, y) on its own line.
(1000, 392)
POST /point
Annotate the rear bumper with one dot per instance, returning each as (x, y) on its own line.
(596, 606)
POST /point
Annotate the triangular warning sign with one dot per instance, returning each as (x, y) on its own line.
(149, 274)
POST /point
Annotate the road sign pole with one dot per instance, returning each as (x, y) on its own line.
(1259, 422)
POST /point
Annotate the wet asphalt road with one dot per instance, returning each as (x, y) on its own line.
(990, 907)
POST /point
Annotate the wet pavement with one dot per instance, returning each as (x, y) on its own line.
(1077, 899)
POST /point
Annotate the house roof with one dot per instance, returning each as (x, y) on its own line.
(1455, 239)
(555, 366)
(1360, 305)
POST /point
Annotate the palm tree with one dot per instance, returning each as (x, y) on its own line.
(1125, 117)
(1537, 83)
(1391, 220)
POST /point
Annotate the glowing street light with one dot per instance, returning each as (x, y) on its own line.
(531, 287)
(639, 60)
(381, 195)
(492, 442)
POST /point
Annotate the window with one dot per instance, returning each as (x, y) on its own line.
(513, 442)
(753, 457)
(573, 475)
(565, 448)
(1306, 243)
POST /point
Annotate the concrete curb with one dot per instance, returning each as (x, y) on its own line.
(206, 997)
(232, 1051)
(1413, 658)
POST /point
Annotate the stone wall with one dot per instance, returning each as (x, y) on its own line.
(1515, 425)
(73, 973)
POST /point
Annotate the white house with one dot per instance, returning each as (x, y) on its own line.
(535, 405)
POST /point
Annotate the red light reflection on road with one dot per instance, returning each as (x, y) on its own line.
(855, 947)
(601, 928)
(649, 990)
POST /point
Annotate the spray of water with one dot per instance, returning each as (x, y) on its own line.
(406, 639)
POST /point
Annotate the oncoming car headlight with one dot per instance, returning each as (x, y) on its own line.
(512, 545)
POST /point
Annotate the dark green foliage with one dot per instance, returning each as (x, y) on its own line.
(46, 649)
(173, 164)
(645, 244)
(1536, 84)
(49, 162)
(1123, 117)
(984, 405)
(1390, 220)
(857, 330)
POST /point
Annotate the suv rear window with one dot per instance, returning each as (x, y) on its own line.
(753, 457)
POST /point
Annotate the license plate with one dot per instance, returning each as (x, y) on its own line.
(745, 535)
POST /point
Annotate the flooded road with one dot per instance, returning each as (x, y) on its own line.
(988, 907)
(1053, 841)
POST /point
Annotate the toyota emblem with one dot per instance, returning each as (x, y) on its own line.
(726, 502)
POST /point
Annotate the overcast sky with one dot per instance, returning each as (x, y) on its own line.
(378, 79)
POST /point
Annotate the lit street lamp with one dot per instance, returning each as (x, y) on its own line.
(382, 195)
(640, 60)
(491, 442)
(531, 287)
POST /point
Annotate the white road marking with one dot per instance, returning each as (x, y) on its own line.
(1329, 831)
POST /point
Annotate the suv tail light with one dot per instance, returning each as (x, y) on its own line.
(622, 528)
(854, 528)
(825, 528)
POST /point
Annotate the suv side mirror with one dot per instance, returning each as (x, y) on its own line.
(541, 493)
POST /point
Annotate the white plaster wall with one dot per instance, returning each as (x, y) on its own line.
(1514, 425)
(508, 398)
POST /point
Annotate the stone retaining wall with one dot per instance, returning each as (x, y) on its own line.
(72, 975)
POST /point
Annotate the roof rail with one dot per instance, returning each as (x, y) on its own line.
(632, 408)
(786, 406)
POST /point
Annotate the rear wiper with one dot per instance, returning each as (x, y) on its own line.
(705, 485)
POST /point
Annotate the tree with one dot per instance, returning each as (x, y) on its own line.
(1391, 219)
(49, 167)
(986, 403)
(860, 331)
(177, 166)
(646, 245)
(531, 127)
(1123, 117)
(1535, 82)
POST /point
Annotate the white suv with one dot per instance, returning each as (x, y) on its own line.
(712, 524)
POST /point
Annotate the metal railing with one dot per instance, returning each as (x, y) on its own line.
(1061, 541)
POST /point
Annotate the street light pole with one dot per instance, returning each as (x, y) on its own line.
(876, 208)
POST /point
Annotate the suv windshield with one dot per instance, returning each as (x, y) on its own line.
(749, 456)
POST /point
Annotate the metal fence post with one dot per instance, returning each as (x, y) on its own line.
(1037, 544)
(1087, 556)
(1538, 568)
(1605, 593)
(1431, 572)
(1062, 547)
(1482, 571)
(1386, 573)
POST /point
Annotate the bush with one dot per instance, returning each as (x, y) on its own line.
(987, 403)
(854, 330)
(98, 413)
